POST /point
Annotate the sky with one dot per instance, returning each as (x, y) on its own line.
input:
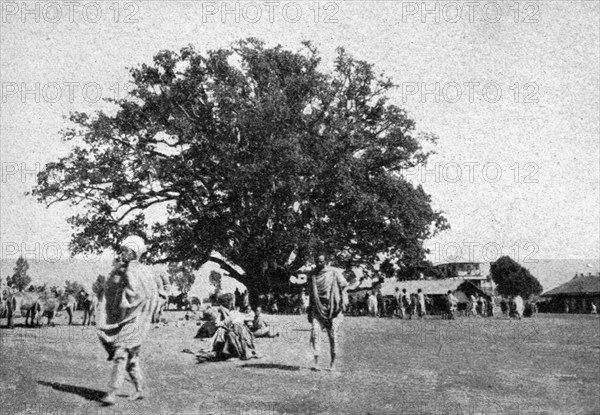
(510, 88)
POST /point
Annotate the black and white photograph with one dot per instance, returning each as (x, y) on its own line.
(299, 207)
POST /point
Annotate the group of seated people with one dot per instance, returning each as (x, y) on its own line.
(233, 331)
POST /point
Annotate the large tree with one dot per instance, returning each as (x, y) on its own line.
(513, 279)
(256, 153)
(20, 279)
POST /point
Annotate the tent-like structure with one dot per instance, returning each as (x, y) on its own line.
(206, 283)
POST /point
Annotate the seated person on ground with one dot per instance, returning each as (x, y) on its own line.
(232, 338)
(260, 328)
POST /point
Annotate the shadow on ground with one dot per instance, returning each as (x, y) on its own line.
(270, 366)
(89, 394)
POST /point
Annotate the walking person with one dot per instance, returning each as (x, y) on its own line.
(404, 303)
(452, 303)
(381, 309)
(304, 301)
(325, 285)
(421, 303)
(396, 304)
(372, 304)
(125, 313)
(472, 306)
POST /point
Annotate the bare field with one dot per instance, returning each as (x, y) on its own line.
(549, 364)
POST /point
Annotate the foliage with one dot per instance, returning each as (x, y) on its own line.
(215, 279)
(253, 152)
(98, 285)
(513, 279)
(73, 288)
(181, 275)
(19, 280)
(387, 268)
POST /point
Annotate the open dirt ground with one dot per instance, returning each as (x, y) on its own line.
(549, 364)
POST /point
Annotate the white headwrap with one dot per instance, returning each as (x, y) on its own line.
(135, 243)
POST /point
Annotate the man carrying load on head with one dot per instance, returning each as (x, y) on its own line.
(129, 299)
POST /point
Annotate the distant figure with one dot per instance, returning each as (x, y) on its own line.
(404, 303)
(304, 301)
(413, 309)
(452, 303)
(396, 306)
(484, 306)
(372, 304)
(503, 307)
(365, 305)
(472, 306)
(519, 306)
(421, 304)
(490, 308)
(594, 309)
(163, 285)
(272, 303)
(246, 300)
(237, 297)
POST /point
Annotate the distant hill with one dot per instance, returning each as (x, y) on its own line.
(550, 272)
(56, 273)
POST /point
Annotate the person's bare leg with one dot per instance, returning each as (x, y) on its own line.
(332, 365)
(133, 367)
(332, 344)
(117, 377)
(314, 342)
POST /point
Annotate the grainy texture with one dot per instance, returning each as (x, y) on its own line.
(548, 364)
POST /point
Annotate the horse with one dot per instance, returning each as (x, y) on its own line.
(34, 305)
(180, 301)
(89, 308)
(69, 304)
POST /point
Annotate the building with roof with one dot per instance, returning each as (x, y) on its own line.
(435, 290)
(475, 272)
(462, 288)
(575, 296)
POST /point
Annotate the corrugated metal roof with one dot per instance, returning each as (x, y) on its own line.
(589, 284)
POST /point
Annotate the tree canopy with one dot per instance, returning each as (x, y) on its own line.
(181, 275)
(98, 285)
(513, 279)
(255, 153)
(73, 288)
(20, 279)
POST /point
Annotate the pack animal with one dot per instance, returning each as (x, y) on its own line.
(89, 309)
(32, 305)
